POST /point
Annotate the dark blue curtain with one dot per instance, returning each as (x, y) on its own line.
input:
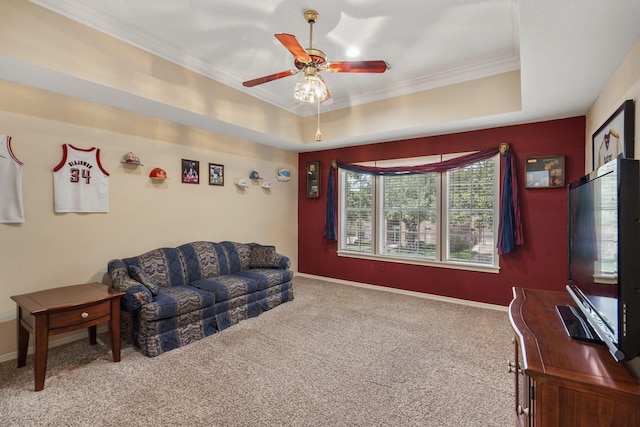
(330, 229)
(510, 227)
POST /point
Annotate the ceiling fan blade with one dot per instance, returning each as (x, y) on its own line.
(271, 77)
(293, 46)
(357, 67)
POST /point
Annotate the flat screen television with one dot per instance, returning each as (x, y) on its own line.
(604, 258)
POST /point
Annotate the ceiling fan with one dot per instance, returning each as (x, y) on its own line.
(312, 88)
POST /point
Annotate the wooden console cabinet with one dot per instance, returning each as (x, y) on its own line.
(560, 381)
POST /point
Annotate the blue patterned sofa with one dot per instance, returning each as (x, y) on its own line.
(175, 296)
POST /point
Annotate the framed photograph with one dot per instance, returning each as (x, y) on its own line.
(615, 136)
(216, 174)
(544, 172)
(313, 180)
(190, 171)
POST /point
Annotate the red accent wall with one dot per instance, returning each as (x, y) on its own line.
(540, 263)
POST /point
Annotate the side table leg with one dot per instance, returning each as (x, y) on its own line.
(42, 348)
(114, 329)
(93, 334)
(23, 339)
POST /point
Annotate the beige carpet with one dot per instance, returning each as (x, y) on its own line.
(335, 356)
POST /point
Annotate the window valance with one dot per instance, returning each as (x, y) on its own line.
(458, 162)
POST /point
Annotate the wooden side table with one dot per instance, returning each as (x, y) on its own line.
(59, 310)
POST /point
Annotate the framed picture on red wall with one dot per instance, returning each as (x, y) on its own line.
(544, 172)
(615, 137)
(313, 180)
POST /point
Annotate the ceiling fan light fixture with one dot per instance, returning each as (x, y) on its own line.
(310, 88)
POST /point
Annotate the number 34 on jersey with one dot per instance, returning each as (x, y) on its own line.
(80, 183)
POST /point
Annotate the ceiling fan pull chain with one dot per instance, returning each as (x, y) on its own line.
(318, 133)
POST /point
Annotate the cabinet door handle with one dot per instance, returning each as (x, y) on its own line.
(513, 367)
(84, 315)
(523, 411)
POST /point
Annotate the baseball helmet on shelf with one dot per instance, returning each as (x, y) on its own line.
(131, 159)
(157, 173)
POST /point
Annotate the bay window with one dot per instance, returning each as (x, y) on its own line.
(448, 218)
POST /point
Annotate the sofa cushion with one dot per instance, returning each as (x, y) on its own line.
(136, 293)
(174, 301)
(202, 260)
(237, 255)
(138, 274)
(162, 266)
(267, 277)
(227, 287)
(264, 257)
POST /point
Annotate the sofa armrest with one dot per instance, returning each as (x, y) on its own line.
(136, 293)
(264, 256)
(283, 261)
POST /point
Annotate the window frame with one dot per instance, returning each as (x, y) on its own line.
(442, 217)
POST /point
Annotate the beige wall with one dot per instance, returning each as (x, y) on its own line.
(625, 84)
(51, 250)
(466, 100)
(32, 35)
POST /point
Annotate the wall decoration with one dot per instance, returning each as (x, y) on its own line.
(241, 183)
(283, 175)
(544, 172)
(80, 182)
(158, 173)
(216, 174)
(254, 175)
(131, 159)
(615, 136)
(190, 171)
(11, 202)
(313, 180)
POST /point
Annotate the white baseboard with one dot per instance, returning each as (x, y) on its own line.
(55, 342)
(405, 292)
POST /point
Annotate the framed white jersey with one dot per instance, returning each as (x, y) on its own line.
(615, 138)
(80, 183)
(11, 206)
(609, 148)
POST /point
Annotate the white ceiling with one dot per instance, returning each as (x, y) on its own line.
(566, 50)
